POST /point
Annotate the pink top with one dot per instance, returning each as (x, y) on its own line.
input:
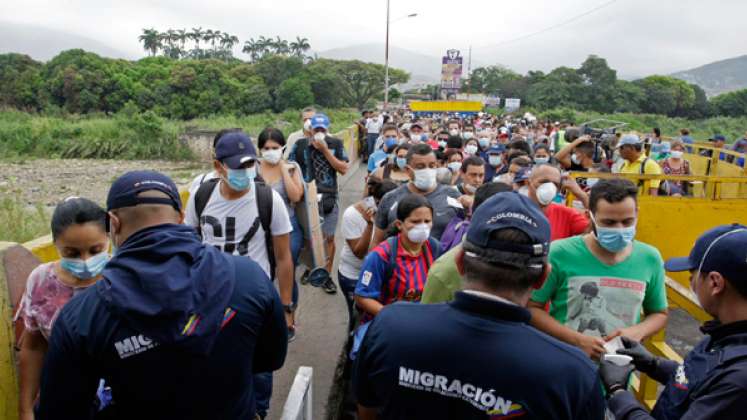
(43, 299)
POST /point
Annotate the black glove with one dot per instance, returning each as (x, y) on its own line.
(614, 377)
(643, 360)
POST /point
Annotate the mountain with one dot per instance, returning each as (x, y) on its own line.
(43, 43)
(718, 77)
(424, 69)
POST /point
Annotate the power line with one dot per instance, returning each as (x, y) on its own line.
(550, 28)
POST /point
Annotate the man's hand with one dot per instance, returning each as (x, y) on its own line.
(614, 377)
(466, 201)
(290, 320)
(643, 360)
(581, 140)
(633, 333)
(320, 145)
(592, 346)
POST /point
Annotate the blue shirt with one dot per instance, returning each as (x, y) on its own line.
(375, 159)
(472, 358)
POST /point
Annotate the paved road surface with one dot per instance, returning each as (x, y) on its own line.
(322, 324)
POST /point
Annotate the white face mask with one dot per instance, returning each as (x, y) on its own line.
(307, 125)
(455, 166)
(272, 156)
(575, 159)
(419, 233)
(453, 132)
(470, 149)
(425, 179)
(319, 136)
(468, 135)
(677, 154)
(546, 193)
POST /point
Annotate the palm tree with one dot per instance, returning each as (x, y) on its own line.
(300, 46)
(216, 37)
(263, 46)
(227, 41)
(181, 36)
(196, 36)
(151, 41)
(208, 36)
(251, 47)
(281, 46)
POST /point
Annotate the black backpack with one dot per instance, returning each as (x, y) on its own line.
(264, 208)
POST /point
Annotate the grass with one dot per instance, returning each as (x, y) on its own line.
(21, 223)
(128, 136)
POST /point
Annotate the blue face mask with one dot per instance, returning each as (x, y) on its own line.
(494, 160)
(541, 160)
(614, 239)
(85, 269)
(401, 162)
(241, 179)
(391, 143)
(484, 143)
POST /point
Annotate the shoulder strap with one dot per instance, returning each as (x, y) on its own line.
(435, 251)
(264, 208)
(202, 196)
(393, 244)
(387, 171)
(643, 166)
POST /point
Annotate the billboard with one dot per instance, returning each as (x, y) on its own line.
(512, 104)
(451, 70)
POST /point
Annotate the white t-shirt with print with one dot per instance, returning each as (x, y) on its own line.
(233, 225)
(352, 227)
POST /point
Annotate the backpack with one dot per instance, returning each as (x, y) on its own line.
(394, 244)
(264, 208)
(454, 232)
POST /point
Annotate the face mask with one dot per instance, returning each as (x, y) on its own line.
(575, 159)
(415, 138)
(494, 160)
(419, 233)
(319, 136)
(524, 190)
(442, 144)
(469, 188)
(307, 125)
(455, 166)
(85, 269)
(614, 239)
(470, 149)
(390, 143)
(453, 132)
(546, 193)
(541, 160)
(484, 142)
(401, 162)
(677, 154)
(468, 135)
(272, 156)
(240, 179)
(425, 179)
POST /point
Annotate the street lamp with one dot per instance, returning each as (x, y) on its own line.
(386, 54)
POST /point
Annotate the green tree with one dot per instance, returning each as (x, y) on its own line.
(293, 93)
(733, 104)
(666, 95)
(598, 92)
(362, 82)
(21, 84)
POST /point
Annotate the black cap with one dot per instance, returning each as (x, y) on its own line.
(124, 191)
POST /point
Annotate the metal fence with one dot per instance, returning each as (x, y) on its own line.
(299, 405)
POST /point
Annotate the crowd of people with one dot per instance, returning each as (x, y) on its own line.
(472, 289)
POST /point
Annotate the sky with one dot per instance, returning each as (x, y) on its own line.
(637, 37)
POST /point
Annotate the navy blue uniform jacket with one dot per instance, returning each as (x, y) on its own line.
(473, 358)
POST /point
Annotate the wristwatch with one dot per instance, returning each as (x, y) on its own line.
(290, 308)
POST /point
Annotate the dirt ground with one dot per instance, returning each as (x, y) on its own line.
(47, 181)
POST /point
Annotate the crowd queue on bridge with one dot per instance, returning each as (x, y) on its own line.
(481, 279)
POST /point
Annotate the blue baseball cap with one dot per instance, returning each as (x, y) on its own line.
(235, 149)
(124, 191)
(522, 175)
(319, 121)
(631, 139)
(496, 150)
(508, 210)
(722, 249)
(717, 137)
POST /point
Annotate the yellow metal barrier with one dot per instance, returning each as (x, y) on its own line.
(446, 106)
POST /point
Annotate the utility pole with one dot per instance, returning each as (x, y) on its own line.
(469, 72)
(386, 61)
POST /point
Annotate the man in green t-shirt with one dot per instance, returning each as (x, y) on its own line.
(443, 277)
(600, 282)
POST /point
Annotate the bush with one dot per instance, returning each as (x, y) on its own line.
(21, 223)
